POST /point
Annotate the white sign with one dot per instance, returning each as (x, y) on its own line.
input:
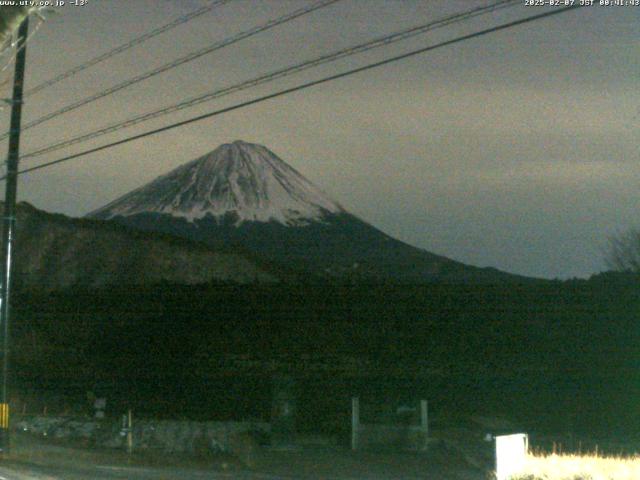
(511, 455)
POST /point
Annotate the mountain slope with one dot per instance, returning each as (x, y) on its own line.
(54, 252)
(243, 194)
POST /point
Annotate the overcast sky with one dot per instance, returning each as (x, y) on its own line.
(517, 150)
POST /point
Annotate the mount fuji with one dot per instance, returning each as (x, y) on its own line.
(243, 194)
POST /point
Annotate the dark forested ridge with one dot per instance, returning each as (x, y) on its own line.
(556, 348)
(54, 252)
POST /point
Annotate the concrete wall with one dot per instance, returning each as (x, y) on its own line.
(164, 435)
(396, 437)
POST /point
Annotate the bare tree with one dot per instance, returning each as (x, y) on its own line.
(623, 252)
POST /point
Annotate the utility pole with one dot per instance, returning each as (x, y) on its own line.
(9, 223)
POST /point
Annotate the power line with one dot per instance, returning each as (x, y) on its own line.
(301, 87)
(180, 61)
(269, 77)
(126, 46)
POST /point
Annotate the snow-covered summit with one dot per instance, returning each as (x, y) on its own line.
(241, 179)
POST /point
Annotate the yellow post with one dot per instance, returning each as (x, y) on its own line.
(4, 416)
(4, 427)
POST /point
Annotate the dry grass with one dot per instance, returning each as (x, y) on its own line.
(580, 467)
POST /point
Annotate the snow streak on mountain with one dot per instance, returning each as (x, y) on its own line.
(241, 181)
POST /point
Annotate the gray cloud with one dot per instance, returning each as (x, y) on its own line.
(517, 150)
